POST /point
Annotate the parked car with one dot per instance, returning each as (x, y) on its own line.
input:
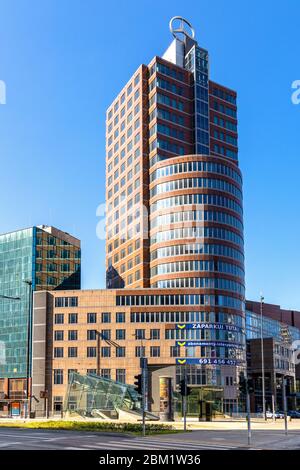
(279, 415)
(294, 414)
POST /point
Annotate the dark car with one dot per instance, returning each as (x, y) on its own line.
(294, 414)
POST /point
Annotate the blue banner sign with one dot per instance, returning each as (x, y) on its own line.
(208, 361)
(220, 344)
(208, 326)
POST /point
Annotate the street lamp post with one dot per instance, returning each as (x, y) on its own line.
(9, 298)
(284, 404)
(29, 331)
(262, 358)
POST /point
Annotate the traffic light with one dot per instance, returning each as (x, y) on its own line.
(138, 384)
(185, 391)
(242, 384)
(182, 387)
(250, 386)
(288, 388)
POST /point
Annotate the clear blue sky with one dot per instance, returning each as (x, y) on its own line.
(64, 61)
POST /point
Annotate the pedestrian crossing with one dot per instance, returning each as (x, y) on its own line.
(148, 443)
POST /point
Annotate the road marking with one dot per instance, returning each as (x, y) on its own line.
(24, 436)
(149, 444)
(183, 442)
(73, 448)
(7, 444)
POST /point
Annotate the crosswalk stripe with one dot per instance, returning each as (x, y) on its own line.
(132, 444)
(7, 444)
(128, 445)
(182, 443)
(119, 446)
(74, 448)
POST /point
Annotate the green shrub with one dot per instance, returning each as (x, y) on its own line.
(95, 426)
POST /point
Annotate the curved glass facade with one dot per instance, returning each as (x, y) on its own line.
(190, 199)
(193, 183)
(196, 242)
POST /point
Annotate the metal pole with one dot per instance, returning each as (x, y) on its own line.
(98, 352)
(185, 399)
(47, 406)
(248, 416)
(144, 396)
(273, 407)
(28, 374)
(284, 405)
(262, 358)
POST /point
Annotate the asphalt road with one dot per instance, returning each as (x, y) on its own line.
(30, 439)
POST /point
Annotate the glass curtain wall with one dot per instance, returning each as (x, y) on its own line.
(16, 265)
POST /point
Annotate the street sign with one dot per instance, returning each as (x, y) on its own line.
(208, 361)
(208, 326)
(220, 344)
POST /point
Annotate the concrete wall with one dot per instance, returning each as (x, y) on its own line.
(39, 344)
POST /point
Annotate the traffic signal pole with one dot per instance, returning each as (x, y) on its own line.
(246, 386)
(184, 400)
(144, 398)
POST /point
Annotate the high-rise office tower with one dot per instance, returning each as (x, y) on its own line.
(174, 189)
(175, 210)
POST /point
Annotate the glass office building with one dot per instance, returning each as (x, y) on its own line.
(36, 258)
(280, 331)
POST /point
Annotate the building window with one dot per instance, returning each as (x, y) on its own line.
(139, 334)
(58, 352)
(174, 351)
(92, 317)
(91, 335)
(140, 351)
(91, 371)
(73, 318)
(57, 404)
(59, 318)
(72, 335)
(72, 351)
(120, 334)
(105, 351)
(155, 334)
(106, 317)
(106, 334)
(91, 351)
(58, 376)
(121, 375)
(66, 302)
(120, 352)
(106, 373)
(155, 351)
(58, 335)
(120, 317)
(70, 372)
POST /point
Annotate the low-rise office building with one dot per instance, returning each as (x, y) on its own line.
(106, 332)
(280, 330)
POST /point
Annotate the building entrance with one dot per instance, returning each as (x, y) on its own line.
(205, 403)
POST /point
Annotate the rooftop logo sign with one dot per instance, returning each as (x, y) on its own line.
(180, 26)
